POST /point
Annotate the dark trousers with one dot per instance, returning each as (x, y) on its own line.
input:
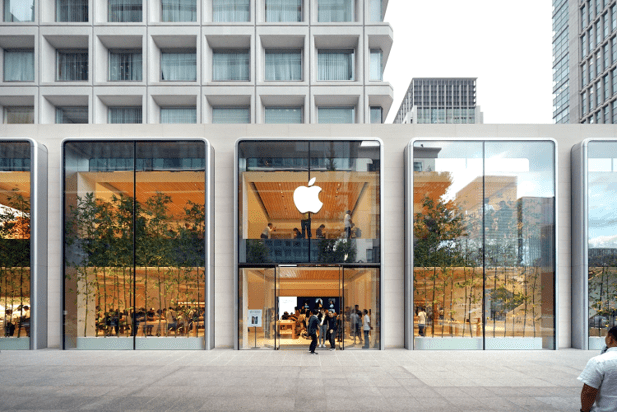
(306, 228)
(313, 342)
(367, 342)
(421, 330)
(332, 336)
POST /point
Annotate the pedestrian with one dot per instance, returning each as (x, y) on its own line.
(366, 327)
(312, 331)
(332, 328)
(323, 327)
(421, 321)
(600, 378)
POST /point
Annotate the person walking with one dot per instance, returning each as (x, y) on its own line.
(312, 331)
(366, 327)
(600, 378)
(332, 328)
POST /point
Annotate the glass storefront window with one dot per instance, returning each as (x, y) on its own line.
(15, 220)
(135, 244)
(483, 244)
(274, 174)
(601, 240)
(309, 234)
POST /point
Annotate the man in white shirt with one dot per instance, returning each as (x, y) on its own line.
(421, 321)
(600, 378)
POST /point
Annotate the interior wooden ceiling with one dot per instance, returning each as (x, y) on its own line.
(277, 198)
(181, 187)
(14, 180)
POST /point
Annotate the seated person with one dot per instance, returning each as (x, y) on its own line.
(297, 234)
(320, 233)
(285, 316)
(295, 316)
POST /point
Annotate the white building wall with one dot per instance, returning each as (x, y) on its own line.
(395, 138)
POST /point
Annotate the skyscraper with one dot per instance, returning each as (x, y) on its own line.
(585, 61)
(440, 100)
(194, 61)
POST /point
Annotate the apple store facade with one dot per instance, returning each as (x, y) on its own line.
(425, 237)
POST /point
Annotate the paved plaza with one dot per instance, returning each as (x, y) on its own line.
(293, 380)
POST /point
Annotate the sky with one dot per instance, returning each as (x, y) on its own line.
(507, 45)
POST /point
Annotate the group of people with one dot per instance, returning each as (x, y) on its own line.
(322, 324)
(18, 319)
(179, 319)
(351, 231)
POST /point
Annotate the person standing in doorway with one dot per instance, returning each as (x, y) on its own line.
(306, 225)
(312, 331)
(366, 327)
(421, 321)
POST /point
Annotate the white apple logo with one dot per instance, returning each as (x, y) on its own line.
(306, 198)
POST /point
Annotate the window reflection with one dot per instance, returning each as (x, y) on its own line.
(602, 240)
(14, 245)
(484, 244)
(134, 243)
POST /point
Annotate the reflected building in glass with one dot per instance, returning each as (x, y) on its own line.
(138, 244)
(481, 220)
(594, 247)
(23, 244)
(309, 238)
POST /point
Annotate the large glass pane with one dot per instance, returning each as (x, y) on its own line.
(231, 115)
(231, 10)
(375, 11)
(336, 115)
(19, 115)
(447, 240)
(71, 114)
(18, 10)
(18, 65)
(178, 115)
(376, 70)
(318, 202)
(134, 245)
(118, 115)
(125, 65)
(362, 318)
(484, 227)
(72, 65)
(169, 243)
(179, 10)
(256, 306)
(15, 307)
(602, 243)
(128, 11)
(335, 11)
(230, 65)
(283, 115)
(519, 220)
(99, 213)
(335, 65)
(71, 10)
(283, 11)
(179, 66)
(284, 65)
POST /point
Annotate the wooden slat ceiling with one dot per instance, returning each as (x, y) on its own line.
(337, 197)
(14, 180)
(182, 187)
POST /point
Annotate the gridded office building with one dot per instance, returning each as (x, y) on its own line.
(440, 100)
(194, 61)
(585, 61)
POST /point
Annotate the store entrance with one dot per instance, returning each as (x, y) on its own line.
(274, 303)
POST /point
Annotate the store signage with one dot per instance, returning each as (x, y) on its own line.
(255, 318)
(306, 198)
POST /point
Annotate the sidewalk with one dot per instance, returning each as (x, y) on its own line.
(228, 380)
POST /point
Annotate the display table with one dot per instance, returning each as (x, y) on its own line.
(287, 327)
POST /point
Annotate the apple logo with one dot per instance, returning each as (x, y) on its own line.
(306, 198)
